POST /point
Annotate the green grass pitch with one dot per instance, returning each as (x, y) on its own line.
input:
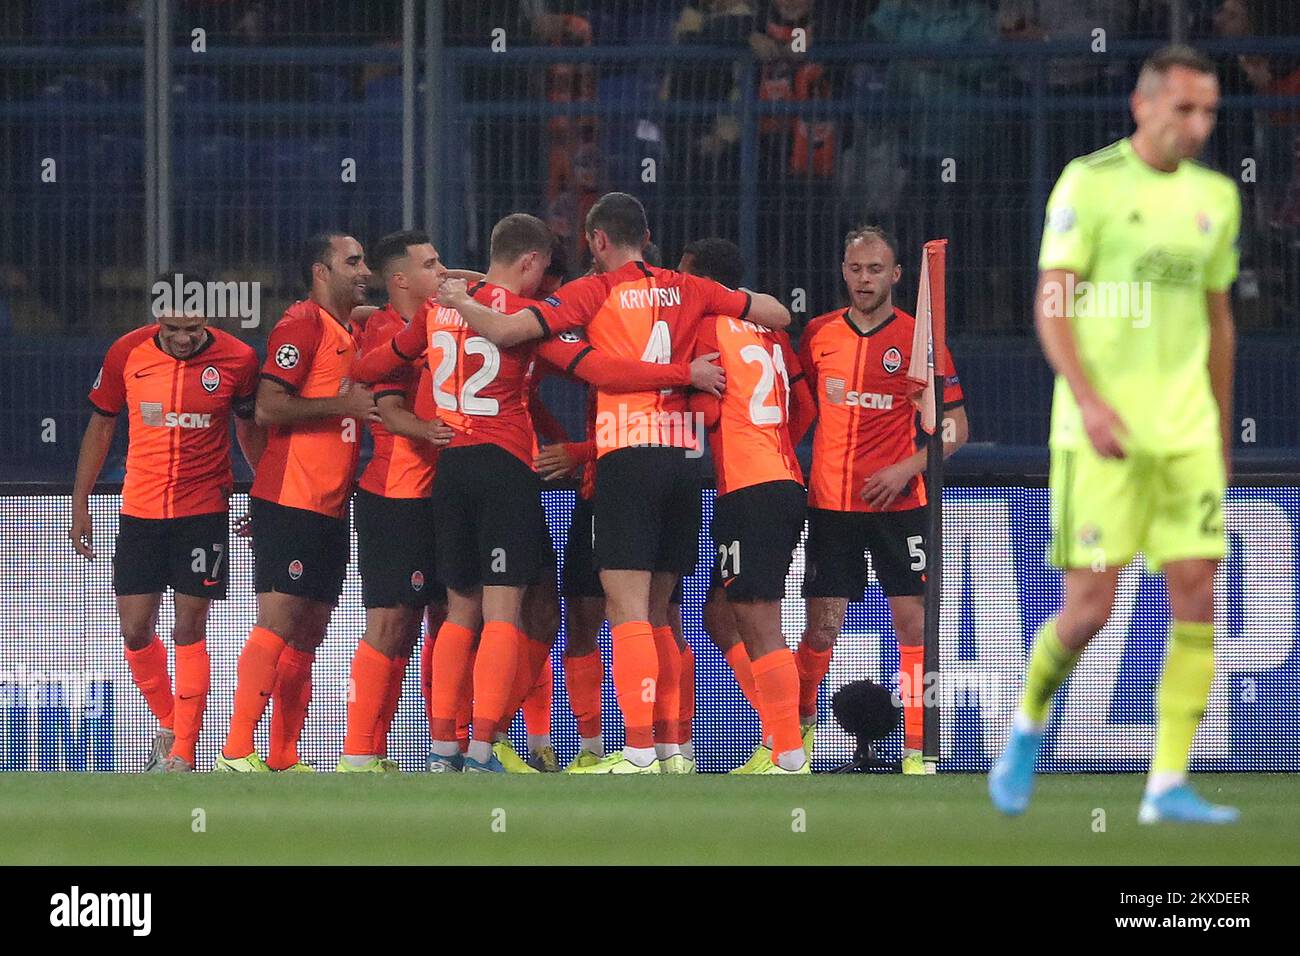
(66, 818)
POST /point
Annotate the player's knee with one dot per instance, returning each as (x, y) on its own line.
(717, 623)
(820, 636)
(187, 632)
(909, 623)
(543, 621)
(1083, 623)
(137, 635)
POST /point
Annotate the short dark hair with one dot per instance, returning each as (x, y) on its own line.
(871, 234)
(316, 248)
(394, 246)
(621, 217)
(559, 264)
(1158, 64)
(519, 234)
(716, 259)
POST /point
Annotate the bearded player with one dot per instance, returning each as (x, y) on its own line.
(867, 489)
(647, 491)
(299, 503)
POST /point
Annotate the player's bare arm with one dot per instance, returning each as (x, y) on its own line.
(276, 405)
(400, 420)
(767, 311)
(882, 488)
(1106, 430)
(252, 440)
(95, 443)
(467, 275)
(1223, 357)
(501, 330)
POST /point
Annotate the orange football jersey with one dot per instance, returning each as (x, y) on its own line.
(866, 419)
(751, 439)
(178, 414)
(399, 467)
(651, 315)
(310, 465)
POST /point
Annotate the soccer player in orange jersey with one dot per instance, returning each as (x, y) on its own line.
(179, 381)
(570, 353)
(299, 508)
(759, 512)
(647, 509)
(488, 554)
(867, 477)
(394, 514)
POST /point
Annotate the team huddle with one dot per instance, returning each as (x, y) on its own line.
(450, 525)
(450, 528)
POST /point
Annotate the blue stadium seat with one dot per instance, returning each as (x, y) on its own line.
(301, 189)
(384, 89)
(208, 162)
(72, 89)
(118, 160)
(328, 88)
(194, 88)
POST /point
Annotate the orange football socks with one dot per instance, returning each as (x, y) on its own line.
(193, 675)
(812, 665)
(537, 705)
(149, 671)
(256, 681)
(686, 705)
(777, 681)
(738, 658)
(292, 697)
(450, 663)
(911, 684)
(582, 678)
(636, 671)
(370, 673)
(494, 677)
(392, 697)
(668, 689)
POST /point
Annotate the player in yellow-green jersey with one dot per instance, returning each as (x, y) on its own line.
(1139, 254)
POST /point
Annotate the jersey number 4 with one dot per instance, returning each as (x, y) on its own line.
(659, 349)
(471, 402)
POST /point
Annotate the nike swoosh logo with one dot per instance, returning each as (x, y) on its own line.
(141, 374)
(339, 351)
(207, 583)
(191, 697)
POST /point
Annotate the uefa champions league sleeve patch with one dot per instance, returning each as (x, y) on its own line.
(286, 356)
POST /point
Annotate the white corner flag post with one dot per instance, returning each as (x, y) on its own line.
(926, 372)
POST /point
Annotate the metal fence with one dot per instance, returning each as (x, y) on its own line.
(212, 137)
